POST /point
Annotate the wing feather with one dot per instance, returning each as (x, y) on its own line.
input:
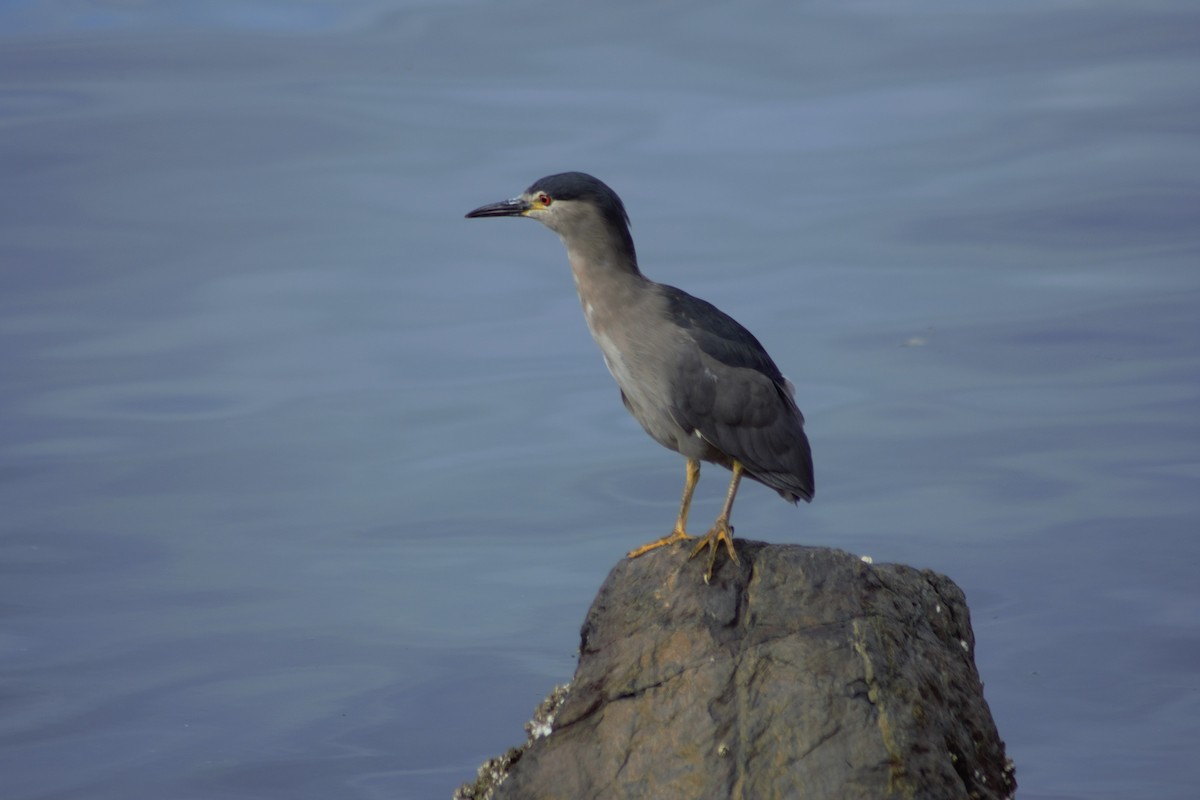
(727, 388)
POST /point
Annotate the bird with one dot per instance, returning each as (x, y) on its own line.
(698, 381)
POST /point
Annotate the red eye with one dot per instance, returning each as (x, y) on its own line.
(544, 199)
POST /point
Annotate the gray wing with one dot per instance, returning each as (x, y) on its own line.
(730, 392)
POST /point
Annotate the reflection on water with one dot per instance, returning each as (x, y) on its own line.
(307, 483)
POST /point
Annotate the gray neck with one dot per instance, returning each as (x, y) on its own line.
(608, 282)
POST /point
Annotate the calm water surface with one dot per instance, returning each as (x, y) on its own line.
(307, 482)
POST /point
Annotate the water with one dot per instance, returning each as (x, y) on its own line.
(307, 482)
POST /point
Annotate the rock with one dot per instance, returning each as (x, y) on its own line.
(800, 672)
(493, 771)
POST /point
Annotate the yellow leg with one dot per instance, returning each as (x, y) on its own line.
(721, 530)
(680, 532)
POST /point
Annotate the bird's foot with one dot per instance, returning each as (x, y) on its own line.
(721, 531)
(674, 536)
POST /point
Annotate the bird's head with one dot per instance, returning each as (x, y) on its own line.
(576, 206)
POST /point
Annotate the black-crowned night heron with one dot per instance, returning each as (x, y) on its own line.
(697, 381)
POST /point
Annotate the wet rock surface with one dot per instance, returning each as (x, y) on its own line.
(800, 672)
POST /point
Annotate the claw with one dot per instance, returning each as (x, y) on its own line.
(674, 536)
(721, 531)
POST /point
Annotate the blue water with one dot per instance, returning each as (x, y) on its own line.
(307, 482)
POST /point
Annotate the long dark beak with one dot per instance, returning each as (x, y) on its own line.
(505, 208)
